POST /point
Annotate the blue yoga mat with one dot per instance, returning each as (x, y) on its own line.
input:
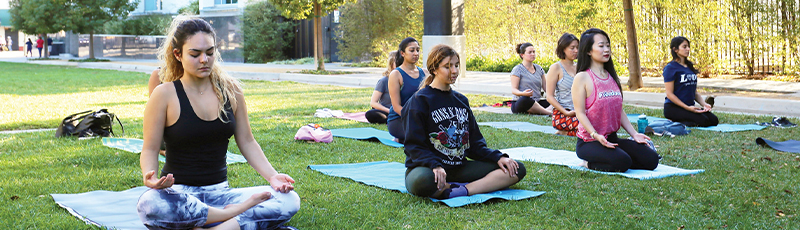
(113, 210)
(792, 146)
(521, 126)
(391, 175)
(571, 160)
(135, 146)
(730, 128)
(633, 117)
(367, 134)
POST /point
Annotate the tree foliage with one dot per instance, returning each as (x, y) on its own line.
(40, 16)
(371, 29)
(266, 33)
(150, 24)
(192, 9)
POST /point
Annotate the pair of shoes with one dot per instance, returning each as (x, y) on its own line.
(710, 100)
(782, 122)
(649, 130)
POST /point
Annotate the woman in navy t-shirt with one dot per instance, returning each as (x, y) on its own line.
(680, 81)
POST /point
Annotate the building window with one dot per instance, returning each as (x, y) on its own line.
(150, 5)
(219, 2)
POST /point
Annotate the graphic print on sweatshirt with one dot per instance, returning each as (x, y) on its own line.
(452, 139)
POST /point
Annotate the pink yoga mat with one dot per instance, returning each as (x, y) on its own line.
(355, 116)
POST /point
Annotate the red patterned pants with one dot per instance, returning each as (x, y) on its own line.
(565, 123)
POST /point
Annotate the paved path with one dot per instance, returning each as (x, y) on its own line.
(476, 82)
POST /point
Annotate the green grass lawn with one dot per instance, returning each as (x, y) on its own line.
(745, 186)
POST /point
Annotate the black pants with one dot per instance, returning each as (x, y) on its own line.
(396, 129)
(689, 118)
(628, 154)
(376, 116)
(523, 104)
(420, 181)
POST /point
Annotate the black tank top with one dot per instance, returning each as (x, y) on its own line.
(196, 148)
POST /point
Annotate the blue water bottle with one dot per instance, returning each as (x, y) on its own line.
(642, 123)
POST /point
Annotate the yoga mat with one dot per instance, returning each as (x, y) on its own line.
(355, 116)
(504, 110)
(135, 146)
(391, 175)
(367, 134)
(635, 117)
(571, 160)
(792, 146)
(520, 126)
(730, 128)
(113, 210)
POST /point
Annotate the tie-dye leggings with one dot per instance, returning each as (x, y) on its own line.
(186, 207)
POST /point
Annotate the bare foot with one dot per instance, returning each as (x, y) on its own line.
(584, 164)
(250, 202)
(562, 132)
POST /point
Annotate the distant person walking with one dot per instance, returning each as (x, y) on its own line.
(39, 45)
(49, 46)
(10, 44)
(680, 83)
(29, 46)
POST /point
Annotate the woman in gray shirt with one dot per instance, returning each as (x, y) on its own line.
(380, 100)
(559, 85)
(527, 83)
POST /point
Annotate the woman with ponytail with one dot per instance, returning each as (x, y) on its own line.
(380, 100)
(597, 97)
(195, 111)
(527, 82)
(441, 132)
(403, 82)
(680, 82)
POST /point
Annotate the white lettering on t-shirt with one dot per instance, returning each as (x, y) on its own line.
(688, 78)
(610, 94)
(447, 113)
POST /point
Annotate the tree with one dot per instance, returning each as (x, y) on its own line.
(302, 9)
(193, 8)
(89, 16)
(371, 29)
(40, 16)
(266, 33)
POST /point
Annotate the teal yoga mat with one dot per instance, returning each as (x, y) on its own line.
(571, 160)
(113, 210)
(391, 175)
(135, 146)
(633, 117)
(730, 128)
(520, 126)
(367, 134)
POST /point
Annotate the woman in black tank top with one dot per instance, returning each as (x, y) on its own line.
(195, 111)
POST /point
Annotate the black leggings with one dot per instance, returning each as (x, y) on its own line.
(627, 155)
(420, 181)
(689, 118)
(396, 129)
(376, 116)
(523, 104)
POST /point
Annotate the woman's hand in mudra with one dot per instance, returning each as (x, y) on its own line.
(281, 182)
(151, 181)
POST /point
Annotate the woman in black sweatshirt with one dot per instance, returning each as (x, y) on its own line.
(441, 132)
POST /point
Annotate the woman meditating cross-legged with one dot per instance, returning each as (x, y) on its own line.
(196, 110)
(680, 83)
(441, 132)
(404, 81)
(559, 85)
(380, 100)
(597, 95)
(527, 82)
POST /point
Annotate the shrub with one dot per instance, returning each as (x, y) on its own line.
(503, 65)
(266, 33)
(150, 24)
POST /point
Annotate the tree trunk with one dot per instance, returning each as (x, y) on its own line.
(318, 55)
(91, 45)
(634, 69)
(45, 47)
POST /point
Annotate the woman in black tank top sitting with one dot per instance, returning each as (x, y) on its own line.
(196, 110)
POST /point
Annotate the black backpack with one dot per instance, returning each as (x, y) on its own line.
(89, 124)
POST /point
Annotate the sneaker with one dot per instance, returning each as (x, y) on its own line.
(710, 101)
(783, 122)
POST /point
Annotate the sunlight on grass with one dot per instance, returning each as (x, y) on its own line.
(745, 186)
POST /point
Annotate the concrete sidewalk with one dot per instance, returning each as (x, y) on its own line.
(474, 82)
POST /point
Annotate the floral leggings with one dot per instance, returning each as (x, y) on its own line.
(186, 207)
(565, 123)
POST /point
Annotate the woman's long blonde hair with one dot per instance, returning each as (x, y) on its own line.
(390, 63)
(181, 28)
